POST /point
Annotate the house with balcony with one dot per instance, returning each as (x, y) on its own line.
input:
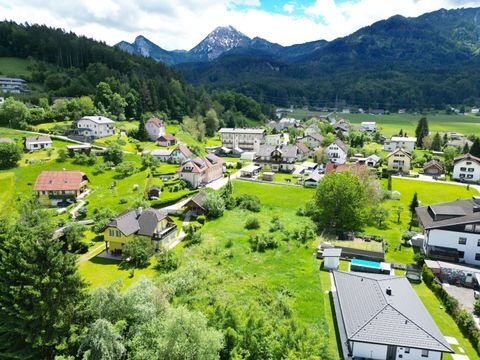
(466, 168)
(399, 160)
(95, 127)
(12, 85)
(278, 158)
(201, 171)
(337, 152)
(452, 230)
(153, 224)
(55, 188)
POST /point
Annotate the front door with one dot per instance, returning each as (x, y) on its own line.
(391, 352)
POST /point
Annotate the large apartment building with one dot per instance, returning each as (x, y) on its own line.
(242, 138)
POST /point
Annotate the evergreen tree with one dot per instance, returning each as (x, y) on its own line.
(436, 142)
(414, 204)
(421, 131)
(389, 184)
(475, 149)
(142, 133)
(41, 294)
(466, 148)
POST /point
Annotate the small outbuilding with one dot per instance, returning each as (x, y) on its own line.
(433, 167)
(196, 203)
(268, 176)
(331, 258)
(154, 192)
(38, 142)
(250, 171)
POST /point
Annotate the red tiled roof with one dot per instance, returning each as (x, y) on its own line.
(303, 148)
(184, 150)
(155, 121)
(59, 180)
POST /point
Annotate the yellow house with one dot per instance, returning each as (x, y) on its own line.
(399, 160)
(151, 223)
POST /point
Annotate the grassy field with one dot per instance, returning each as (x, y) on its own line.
(391, 124)
(445, 323)
(14, 66)
(428, 193)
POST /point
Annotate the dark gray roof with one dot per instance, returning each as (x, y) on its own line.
(199, 198)
(126, 222)
(466, 157)
(132, 221)
(340, 144)
(148, 221)
(448, 214)
(370, 315)
(314, 176)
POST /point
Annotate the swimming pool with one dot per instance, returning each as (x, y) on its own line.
(366, 263)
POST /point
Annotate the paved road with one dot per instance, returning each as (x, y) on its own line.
(219, 183)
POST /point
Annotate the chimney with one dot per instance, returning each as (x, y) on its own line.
(389, 291)
(139, 211)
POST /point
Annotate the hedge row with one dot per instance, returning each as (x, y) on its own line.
(463, 318)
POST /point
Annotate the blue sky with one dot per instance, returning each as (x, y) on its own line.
(181, 24)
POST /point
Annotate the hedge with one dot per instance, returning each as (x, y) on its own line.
(462, 318)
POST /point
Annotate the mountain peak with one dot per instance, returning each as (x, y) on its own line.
(220, 40)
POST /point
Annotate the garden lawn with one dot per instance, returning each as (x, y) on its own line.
(444, 321)
(428, 193)
(7, 184)
(102, 272)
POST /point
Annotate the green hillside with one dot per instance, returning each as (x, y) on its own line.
(12, 66)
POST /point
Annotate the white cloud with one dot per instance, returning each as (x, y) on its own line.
(181, 24)
(289, 8)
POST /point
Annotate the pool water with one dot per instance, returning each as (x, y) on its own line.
(366, 263)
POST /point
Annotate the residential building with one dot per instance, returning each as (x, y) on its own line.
(162, 155)
(12, 85)
(466, 168)
(195, 204)
(155, 128)
(381, 317)
(79, 149)
(94, 127)
(407, 143)
(370, 161)
(180, 154)
(369, 126)
(342, 125)
(167, 140)
(337, 152)
(278, 158)
(277, 139)
(311, 129)
(303, 151)
(313, 140)
(313, 179)
(459, 143)
(58, 187)
(37, 142)
(241, 138)
(153, 224)
(201, 171)
(452, 230)
(433, 167)
(399, 160)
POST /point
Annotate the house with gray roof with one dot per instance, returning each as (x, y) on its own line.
(381, 317)
(94, 127)
(39, 142)
(452, 230)
(278, 158)
(337, 152)
(151, 223)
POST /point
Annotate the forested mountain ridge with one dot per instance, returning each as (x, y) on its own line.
(422, 62)
(67, 65)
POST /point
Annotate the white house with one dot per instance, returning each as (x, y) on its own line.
(37, 142)
(381, 317)
(241, 138)
(452, 230)
(337, 152)
(277, 139)
(466, 168)
(163, 155)
(368, 125)
(407, 143)
(176, 156)
(155, 128)
(399, 160)
(94, 127)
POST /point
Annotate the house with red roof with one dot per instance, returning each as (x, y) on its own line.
(57, 187)
(201, 171)
(155, 128)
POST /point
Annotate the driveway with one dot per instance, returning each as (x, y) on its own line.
(219, 183)
(463, 295)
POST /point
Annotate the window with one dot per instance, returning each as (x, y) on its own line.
(469, 227)
(478, 242)
(471, 169)
(462, 176)
(118, 233)
(462, 241)
(470, 176)
(407, 350)
(111, 232)
(463, 169)
(424, 353)
(477, 228)
(468, 163)
(461, 254)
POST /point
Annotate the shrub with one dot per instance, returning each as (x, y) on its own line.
(263, 242)
(275, 224)
(248, 202)
(229, 244)
(214, 205)
(167, 260)
(80, 248)
(252, 223)
(123, 201)
(201, 219)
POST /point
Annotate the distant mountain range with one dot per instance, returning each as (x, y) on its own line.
(428, 61)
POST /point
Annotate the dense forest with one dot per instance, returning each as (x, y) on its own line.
(67, 65)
